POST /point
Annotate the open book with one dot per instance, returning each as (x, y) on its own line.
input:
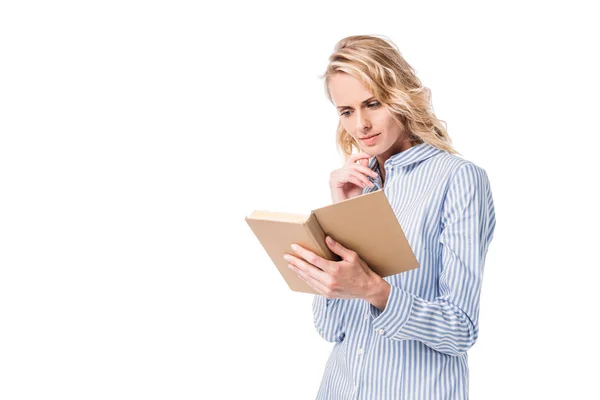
(366, 224)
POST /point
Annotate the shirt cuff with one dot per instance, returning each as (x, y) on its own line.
(395, 315)
(322, 307)
(322, 301)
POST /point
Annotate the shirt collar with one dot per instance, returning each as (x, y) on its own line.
(414, 154)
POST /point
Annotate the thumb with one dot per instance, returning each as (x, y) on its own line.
(364, 161)
(337, 248)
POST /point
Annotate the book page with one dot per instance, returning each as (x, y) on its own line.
(278, 216)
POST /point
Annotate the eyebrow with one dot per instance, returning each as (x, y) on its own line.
(363, 103)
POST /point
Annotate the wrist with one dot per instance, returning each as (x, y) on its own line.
(337, 194)
(378, 292)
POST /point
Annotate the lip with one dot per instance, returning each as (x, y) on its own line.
(371, 139)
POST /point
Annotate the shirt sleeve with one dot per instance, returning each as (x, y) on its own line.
(449, 323)
(329, 318)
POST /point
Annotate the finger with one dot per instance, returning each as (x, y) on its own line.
(363, 179)
(342, 176)
(355, 180)
(366, 170)
(358, 156)
(313, 283)
(365, 160)
(338, 249)
(317, 263)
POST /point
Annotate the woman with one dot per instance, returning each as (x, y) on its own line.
(405, 336)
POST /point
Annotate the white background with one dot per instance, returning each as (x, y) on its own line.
(136, 136)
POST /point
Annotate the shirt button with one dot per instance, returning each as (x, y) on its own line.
(381, 331)
(367, 317)
(360, 351)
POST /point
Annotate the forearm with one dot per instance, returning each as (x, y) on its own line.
(337, 195)
(438, 324)
(378, 293)
(447, 319)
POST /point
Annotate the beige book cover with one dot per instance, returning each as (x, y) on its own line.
(366, 224)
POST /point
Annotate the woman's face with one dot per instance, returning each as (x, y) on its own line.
(362, 115)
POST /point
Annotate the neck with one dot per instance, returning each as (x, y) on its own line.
(382, 174)
(398, 147)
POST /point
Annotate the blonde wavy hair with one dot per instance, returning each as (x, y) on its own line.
(377, 62)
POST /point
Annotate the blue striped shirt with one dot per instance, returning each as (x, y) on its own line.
(416, 348)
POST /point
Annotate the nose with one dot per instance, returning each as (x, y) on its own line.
(362, 122)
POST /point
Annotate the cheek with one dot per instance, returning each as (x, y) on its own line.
(391, 127)
(386, 121)
(381, 119)
(347, 126)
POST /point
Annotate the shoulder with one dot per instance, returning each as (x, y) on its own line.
(459, 177)
(459, 169)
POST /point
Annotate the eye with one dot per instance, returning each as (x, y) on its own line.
(374, 104)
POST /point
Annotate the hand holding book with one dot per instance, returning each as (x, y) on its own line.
(346, 279)
(365, 224)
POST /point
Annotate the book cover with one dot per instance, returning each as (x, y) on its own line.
(366, 224)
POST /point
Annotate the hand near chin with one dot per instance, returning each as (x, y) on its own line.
(350, 180)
